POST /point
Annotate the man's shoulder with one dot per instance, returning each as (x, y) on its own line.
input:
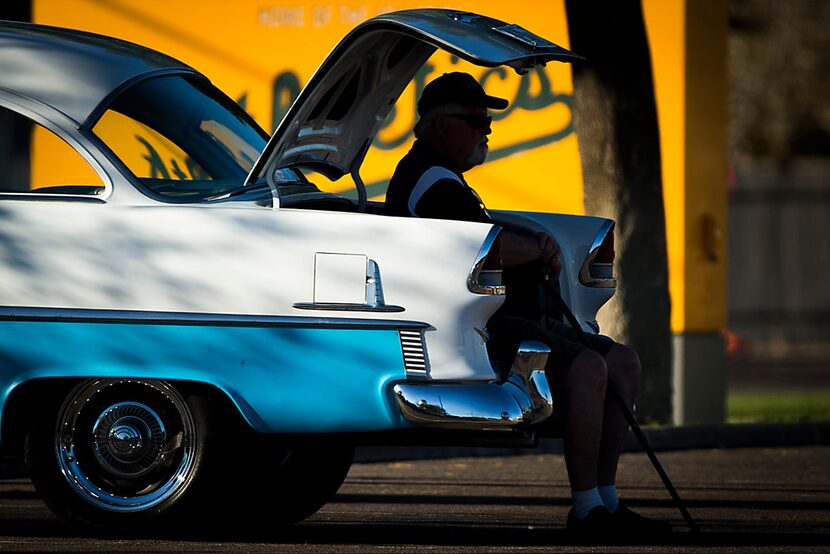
(416, 173)
(436, 173)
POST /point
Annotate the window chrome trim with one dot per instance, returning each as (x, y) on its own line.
(38, 197)
(138, 317)
(472, 280)
(585, 277)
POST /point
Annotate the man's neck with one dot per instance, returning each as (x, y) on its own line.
(436, 151)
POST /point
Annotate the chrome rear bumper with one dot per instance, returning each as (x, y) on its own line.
(523, 399)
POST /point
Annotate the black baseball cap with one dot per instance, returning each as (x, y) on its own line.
(457, 88)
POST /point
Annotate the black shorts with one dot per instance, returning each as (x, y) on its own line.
(508, 331)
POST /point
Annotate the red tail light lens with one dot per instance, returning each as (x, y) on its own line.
(598, 268)
(605, 254)
(493, 261)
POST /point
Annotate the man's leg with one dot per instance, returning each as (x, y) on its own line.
(584, 398)
(623, 374)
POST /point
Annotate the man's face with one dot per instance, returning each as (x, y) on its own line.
(465, 136)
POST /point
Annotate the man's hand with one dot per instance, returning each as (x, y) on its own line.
(519, 249)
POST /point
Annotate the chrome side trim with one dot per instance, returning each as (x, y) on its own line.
(523, 399)
(473, 283)
(82, 315)
(347, 307)
(585, 276)
(415, 360)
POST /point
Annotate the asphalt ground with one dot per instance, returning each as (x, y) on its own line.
(744, 500)
(750, 488)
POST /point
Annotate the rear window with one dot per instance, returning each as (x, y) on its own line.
(181, 137)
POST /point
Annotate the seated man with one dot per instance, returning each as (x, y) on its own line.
(451, 138)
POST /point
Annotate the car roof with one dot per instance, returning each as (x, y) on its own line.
(72, 71)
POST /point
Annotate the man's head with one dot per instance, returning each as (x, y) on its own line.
(453, 110)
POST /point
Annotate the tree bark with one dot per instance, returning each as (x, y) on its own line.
(616, 123)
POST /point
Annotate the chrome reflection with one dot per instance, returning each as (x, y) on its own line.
(523, 399)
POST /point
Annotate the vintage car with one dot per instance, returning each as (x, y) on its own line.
(222, 329)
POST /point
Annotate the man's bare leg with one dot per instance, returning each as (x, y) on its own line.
(624, 375)
(584, 403)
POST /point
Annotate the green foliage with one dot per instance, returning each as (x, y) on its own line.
(790, 406)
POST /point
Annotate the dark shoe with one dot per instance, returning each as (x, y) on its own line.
(631, 523)
(596, 523)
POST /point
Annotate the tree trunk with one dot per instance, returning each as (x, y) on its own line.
(616, 123)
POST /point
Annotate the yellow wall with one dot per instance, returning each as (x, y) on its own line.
(706, 165)
(666, 25)
(688, 49)
(245, 46)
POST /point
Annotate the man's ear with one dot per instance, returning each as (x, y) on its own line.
(440, 123)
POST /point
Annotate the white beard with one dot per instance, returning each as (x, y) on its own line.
(478, 155)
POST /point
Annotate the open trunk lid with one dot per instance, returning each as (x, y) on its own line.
(331, 124)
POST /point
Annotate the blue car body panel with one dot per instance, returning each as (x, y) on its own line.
(282, 379)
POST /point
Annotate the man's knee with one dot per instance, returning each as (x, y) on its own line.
(624, 364)
(588, 371)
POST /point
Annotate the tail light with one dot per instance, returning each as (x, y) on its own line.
(598, 268)
(485, 276)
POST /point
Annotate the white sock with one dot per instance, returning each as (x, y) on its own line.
(585, 501)
(608, 494)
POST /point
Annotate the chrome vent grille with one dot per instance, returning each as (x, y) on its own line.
(414, 352)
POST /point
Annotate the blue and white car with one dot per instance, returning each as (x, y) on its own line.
(220, 328)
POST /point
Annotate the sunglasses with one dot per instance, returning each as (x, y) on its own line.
(476, 121)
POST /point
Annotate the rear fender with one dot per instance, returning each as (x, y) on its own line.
(578, 238)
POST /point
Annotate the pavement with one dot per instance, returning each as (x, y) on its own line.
(660, 438)
(744, 500)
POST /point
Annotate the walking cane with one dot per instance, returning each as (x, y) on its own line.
(629, 417)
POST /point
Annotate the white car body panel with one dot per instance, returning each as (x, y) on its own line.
(246, 261)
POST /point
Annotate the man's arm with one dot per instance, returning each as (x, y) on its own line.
(520, 249)
(448, 199)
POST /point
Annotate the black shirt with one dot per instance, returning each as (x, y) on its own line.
(425, 185)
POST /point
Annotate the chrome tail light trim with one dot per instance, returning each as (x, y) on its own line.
(596, 274)
(476, 280)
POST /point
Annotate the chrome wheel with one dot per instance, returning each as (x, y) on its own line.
(124, 445)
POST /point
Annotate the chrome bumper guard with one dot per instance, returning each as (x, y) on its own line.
(523, 398)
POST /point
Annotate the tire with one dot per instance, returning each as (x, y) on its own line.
(277, 484)
(117, 454)
(307, 479)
